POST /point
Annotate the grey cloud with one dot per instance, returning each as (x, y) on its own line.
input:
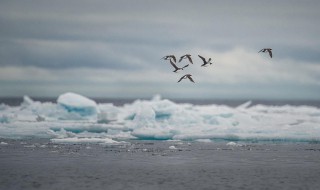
(162, 26)
(120, 36)
(62, 56)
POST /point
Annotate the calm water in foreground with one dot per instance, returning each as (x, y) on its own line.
(40, 164)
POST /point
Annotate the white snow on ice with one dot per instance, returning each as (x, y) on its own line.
(172, 147)
(233, 144)
(3, 143)
(75, 118)
(77, 103)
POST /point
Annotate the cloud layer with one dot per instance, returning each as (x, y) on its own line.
(113, 48)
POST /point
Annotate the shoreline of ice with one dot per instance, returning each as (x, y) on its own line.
(77, 117)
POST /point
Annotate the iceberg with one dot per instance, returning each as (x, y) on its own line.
(77, 103)
(4, 118)
(107, 113)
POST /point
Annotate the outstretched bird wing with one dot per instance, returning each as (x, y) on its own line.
(181, 58)
(190, 78)
(270, 52)
(261, 50)
(203, 59)
(189, 57)
(164, 57)
(185, 66)
(182, 78)
(169, 57)
(173, 65)
(174, 58)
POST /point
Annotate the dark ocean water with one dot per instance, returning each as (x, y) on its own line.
(152, 165)
(16, 101)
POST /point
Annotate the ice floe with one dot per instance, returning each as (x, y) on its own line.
(75, 118)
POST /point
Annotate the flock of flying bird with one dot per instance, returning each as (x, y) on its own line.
(172, 59)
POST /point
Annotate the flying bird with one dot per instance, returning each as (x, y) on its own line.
(186, 76)
(186, 56)
(170, 57)
(269, 50)
(205, 62)
(176, 67)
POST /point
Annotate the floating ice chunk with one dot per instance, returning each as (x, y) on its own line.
(145, 117)
(62, 133)
(244, 105)
(40, 118)
(159, 119)
(78, 104)
(107, 113)
(3, 143)
(172, 147)
(6, 118)
(233, 144)
(26, 101)
(204, 140)
(153, 133)
(30, 146)
(164, 109)
(3, 106)
(145, 125)
(85, 140)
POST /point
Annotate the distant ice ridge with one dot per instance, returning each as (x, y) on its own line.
(75, 118)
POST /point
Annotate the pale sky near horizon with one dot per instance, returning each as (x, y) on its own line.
(103, 48)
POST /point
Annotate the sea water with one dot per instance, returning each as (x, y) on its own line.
(73, 142)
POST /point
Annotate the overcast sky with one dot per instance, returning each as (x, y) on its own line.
(102, 48)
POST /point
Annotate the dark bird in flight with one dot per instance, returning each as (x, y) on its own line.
(176, 67)
(186, 76)
(170, 57)
(204, 61)
(186, 56)
(269, 50)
